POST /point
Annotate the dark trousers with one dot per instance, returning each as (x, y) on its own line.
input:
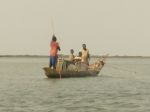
(53, 61)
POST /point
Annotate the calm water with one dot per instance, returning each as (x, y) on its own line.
(122, 86)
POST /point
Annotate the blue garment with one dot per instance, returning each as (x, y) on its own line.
(53, 61)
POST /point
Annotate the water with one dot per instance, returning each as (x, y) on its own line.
(122, 86)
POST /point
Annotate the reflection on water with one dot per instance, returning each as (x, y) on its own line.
(122, 86)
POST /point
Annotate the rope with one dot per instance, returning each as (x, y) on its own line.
(123, 69)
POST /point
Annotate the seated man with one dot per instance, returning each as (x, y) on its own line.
(73, 65)
(78, 58)
(71, 57)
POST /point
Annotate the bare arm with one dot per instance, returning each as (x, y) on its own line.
(88, 55)
(58, 48)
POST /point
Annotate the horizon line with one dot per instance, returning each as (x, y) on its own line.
(36, 55)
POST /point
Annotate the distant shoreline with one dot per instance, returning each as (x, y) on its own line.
(65, 56)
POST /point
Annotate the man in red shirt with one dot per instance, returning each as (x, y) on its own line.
(53, 52)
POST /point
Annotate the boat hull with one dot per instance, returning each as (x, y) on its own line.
(51, 73)
(80, 70)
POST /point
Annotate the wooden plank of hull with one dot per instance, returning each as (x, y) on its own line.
(50, 73)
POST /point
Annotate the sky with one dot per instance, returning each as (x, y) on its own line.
(117, 27)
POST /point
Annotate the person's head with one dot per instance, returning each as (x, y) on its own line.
(71, 51)
(54, 38)
(80, 54)
(84, 46)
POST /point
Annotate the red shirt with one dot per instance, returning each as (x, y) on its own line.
(54, 48)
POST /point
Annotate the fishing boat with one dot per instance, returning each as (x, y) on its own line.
(65, 69)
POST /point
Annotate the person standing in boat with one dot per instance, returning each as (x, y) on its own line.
(53, 52)
(85, 55)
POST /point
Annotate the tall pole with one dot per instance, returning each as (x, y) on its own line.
(52, 23)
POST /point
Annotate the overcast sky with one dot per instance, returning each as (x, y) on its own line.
(117, 27)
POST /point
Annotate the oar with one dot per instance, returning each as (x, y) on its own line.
(59, 67)
(60, 74)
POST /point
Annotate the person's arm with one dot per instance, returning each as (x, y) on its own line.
(88, 55)
(58, 47)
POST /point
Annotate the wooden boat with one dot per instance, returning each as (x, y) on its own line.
(50, 73)
(62, 72)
